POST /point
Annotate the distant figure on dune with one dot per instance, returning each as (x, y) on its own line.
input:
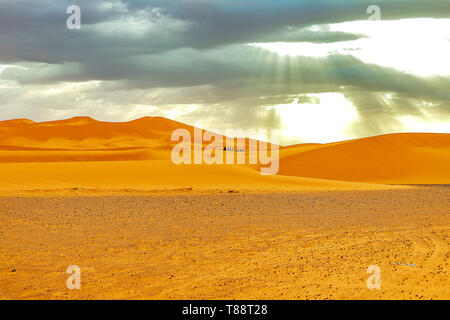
(232, 149)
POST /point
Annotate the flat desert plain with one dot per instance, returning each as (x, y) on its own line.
(106, 197)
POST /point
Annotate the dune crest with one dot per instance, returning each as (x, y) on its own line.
(404, 158)
(408, 158)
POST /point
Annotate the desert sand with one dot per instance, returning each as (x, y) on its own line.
(106, 196)
(228, 246)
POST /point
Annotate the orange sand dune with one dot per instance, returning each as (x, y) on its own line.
(408, 158)
(156, 175)
(136, 155)
(85, 132)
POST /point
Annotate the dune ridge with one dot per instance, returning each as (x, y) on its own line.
(403, 158)
(82, 152)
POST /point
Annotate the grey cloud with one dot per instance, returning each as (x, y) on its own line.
(37, 32)
(238, 70)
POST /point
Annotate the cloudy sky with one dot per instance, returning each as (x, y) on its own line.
(318, 70)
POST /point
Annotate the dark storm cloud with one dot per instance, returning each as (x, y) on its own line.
(36, 31)
(324, 35)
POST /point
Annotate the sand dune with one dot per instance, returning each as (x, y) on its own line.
(84, 133)
(409, 158)
(85, 153)
(85, 177)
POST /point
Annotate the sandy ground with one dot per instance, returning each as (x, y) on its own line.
(312, 245)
